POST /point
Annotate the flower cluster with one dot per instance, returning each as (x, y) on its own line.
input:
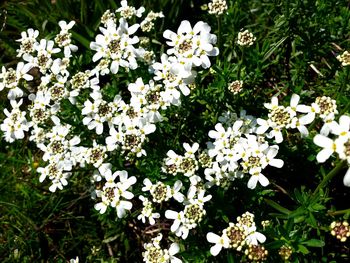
(128, 12)
(45, 75)
(191, 215)
(186, 164)
(191, 46)
(281, 117)
(15, 123)
(155, 254)
(240, 235)
(114, 194)
(115, 47)
(60, 151)
(217, 7)
(47, 66)
(237, 151)
(245, 38)
(147, 211)
(340, 144)
(160, 192)
(147, 24)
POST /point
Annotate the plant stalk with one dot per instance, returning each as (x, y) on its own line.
(329, 176)
(339, 212)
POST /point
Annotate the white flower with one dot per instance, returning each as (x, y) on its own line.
(192, 45)
(116, 46)
(63, 39)
(175, 192)
(219, 241)
(147, 211)
(28, 40)
(178, 218)
(76, 260)
(328, 145)
(16, 123)
(174, 249)
(128, 12)
(329, 124)
(256, 177)
(342, 129)
(190, 150)
(255, 237)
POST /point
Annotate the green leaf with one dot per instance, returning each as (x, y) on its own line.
(277, 206)
(318, 207)
(230, 258)
(314, 243)
(303, 249)
(273, 49)
(82, 40)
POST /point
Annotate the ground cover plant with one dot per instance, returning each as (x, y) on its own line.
(174, 131)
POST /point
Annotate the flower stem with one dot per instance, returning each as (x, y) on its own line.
(329, 176)
(219, 33)
(339, 212)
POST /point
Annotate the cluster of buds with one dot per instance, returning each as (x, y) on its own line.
(340, 230)
(285, 252)
(344, 58)
(245, 38)
(217, 7)
(235, 86)
(256, 253)
(239, 235)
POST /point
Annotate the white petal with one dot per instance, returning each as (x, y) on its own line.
(323, 155)
(215, 250)
(185, 27)
(260, 237)
(346, 179)
(323, 141)
(252, 182)
(263, 180)
(213, 238)
(294, 100)
(171, 214)
(278, 163)
(174, 249)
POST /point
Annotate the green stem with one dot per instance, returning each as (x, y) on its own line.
(329, 176)
(219, 34)
(240, 63)
(339, 212)
(344, 83)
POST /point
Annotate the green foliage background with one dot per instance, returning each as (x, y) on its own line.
(292, 35)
